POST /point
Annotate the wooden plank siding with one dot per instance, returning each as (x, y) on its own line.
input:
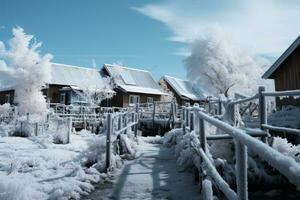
(180, 101)
(3, 96)
(287, 77)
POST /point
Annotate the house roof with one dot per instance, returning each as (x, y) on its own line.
(79, 77)
(133, 80)
(185, 88)
(282, 58)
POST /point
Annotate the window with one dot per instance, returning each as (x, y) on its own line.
(7, 98)
(62, 99)
(149, 99)
(134, 99)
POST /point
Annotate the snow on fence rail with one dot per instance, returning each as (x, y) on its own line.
(263, 118)
(124, 121)
(244, 138)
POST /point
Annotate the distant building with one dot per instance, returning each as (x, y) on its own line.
(66, 82)
(286, 73)
(131, 86)
(184, 91)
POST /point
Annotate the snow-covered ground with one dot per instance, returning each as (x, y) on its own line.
(152, 175)
(35, 169)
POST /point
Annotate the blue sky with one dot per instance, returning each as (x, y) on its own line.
(153, 35)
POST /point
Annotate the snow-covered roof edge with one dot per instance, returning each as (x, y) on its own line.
(282, 58)
(135, 89)
(166, 78)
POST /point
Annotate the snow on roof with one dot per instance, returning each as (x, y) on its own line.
(84, 78)
(79, 77)
(133, 80)
(185, 88)
(282, 58)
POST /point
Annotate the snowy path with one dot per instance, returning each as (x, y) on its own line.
(152, 175)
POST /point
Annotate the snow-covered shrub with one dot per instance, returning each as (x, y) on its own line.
(58, 129)
(286, 148)
(12, 187)
(96, 154)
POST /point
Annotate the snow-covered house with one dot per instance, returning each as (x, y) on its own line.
(66, 81)
(184, 91)
(132, 85)
(286, 73)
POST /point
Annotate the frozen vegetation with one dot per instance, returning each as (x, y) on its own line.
(36, 168)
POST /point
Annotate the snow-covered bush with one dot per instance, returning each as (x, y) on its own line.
(58, 129)
(26, 70)
(12, 187)
(96, 153)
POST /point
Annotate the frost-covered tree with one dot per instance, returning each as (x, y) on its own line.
(26, 70)
(93, 96)
(220, 67)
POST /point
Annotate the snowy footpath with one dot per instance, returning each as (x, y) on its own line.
(154, 174)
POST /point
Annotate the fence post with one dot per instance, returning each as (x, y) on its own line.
(125, 122)
(108, 143)
(187, 113)
(36, 129)
(69, 121)
(202, 138)
(173, 106)
(202, 134)
(137, 119)
(191, 121)
(241, 170)
(153, 115)
(183, 121)
(262, 109)
(220, 106)
(120, 122)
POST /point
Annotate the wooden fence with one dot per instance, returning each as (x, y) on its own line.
(244, 138)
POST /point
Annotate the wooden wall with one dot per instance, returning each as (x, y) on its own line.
(287, 77)
(3, 95)
(121, 99)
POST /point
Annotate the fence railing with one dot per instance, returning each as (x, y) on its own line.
(119, 123)
(262, 105)
(193, 119)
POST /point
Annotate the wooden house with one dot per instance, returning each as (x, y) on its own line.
(65, 84)
(286, 73)
(131, 86)
(184, 91)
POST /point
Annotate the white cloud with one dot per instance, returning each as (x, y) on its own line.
(261, 27)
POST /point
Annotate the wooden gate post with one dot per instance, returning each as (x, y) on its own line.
(125, 122)
(262, 110)
(241, 170)
(153, 115)
(69, 122)
(220, 106)
(36, 129)
(191, 121)
(108, 143)
(120, 122)
(183, 121)
(173, 107)
(187, 112)
(136, 120)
